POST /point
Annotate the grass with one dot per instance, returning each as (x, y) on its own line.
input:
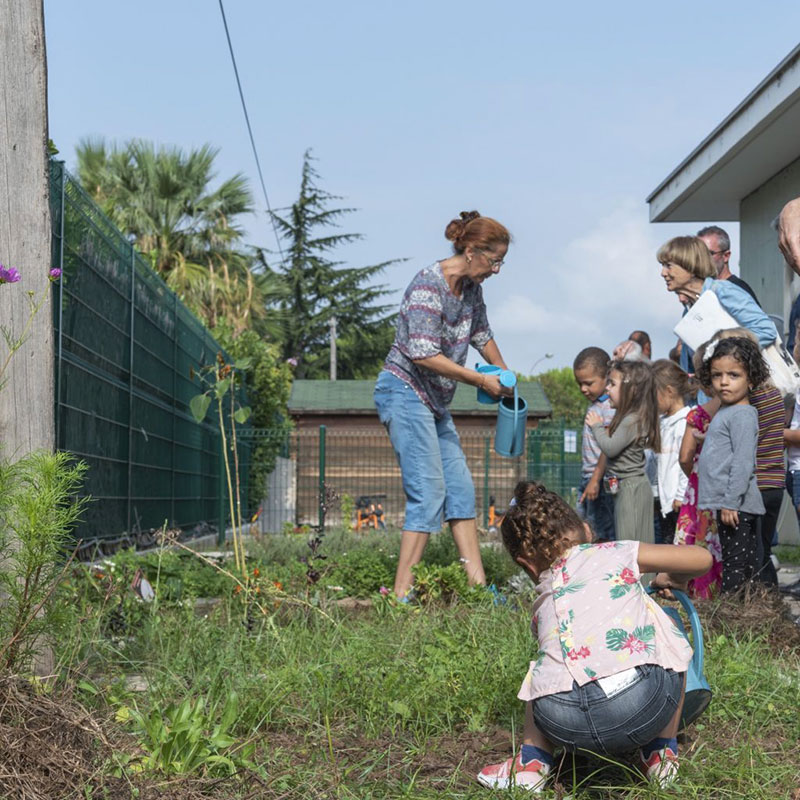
(410, 702)
(787, 553)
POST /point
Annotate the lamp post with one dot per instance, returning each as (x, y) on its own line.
(546, 355)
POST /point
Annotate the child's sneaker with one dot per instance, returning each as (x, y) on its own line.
(661, 767)
(512, 772)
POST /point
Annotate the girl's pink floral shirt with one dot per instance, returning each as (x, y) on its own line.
(593, 619)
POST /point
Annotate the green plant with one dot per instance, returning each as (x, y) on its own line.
(347, 505)
(787, 553)
(444, 583)
(268, 382)
(361, 573)
(222, 380)
(38, 510)
(184, 738)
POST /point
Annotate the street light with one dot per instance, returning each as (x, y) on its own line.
(546, 355)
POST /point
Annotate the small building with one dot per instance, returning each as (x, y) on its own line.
(348, 404)
(745, 171)
(339, 441)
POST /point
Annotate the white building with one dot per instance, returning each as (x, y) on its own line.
(744, 171)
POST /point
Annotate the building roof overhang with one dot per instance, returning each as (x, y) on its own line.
(755, 141)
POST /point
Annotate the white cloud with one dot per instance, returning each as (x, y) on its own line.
(592, 290)
(519, 315)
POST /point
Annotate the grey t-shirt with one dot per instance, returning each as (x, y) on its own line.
(726, 468)
(624, 448)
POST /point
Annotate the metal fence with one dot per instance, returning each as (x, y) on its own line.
(127, 356)
(360, 463)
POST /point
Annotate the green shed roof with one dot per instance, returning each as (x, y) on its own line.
(355, 397)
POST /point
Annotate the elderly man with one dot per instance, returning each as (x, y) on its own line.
(789, 244)
(719, 245)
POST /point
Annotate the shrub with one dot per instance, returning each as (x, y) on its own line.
(38, 511)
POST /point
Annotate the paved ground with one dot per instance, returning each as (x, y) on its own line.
(789, 573)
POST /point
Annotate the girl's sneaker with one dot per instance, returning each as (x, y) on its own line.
(512, 772)
(661, 767)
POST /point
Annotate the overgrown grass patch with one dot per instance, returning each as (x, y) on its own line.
(393, 701)
(412, 701)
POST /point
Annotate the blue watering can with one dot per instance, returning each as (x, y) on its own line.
(506, 376)
(509, 435)
(512, 413)
(698, 692)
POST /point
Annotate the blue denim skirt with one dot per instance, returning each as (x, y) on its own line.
(586, 718)
(436, 480)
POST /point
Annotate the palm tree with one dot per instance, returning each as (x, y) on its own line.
(191, 234)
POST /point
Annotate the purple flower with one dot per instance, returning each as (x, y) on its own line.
(292, 362)
(54, 274)
(8, 274)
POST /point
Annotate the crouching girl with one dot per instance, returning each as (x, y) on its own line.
(611, 670)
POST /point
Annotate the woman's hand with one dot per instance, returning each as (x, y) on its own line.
(491, 385)
(729, 517)
(593, 418)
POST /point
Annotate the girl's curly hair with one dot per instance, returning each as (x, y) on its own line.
(537, 523)
(744, 351)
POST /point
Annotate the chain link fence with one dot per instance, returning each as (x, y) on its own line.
(359, 464)
(128, 353)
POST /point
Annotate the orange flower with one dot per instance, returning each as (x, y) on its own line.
(256, 572)
(278, 585)
(237, 589)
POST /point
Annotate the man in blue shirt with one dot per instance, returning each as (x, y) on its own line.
(719, 245)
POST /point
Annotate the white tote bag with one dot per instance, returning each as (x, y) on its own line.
(707, 316)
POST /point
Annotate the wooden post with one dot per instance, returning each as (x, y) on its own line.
(26, 410)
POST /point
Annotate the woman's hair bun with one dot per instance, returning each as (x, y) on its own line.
(455, 228)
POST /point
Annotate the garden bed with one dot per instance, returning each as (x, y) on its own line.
(297, 695)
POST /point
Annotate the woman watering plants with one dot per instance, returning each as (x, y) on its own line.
(442, 313)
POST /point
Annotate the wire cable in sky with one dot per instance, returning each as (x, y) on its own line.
(250, 130)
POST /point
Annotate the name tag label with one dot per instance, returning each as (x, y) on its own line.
(614, 684)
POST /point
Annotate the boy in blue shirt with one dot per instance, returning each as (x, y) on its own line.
(595, 503)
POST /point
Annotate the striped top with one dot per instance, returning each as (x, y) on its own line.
(590, 450)
(433, 320)
(770, 470)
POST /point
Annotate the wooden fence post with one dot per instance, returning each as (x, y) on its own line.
(26, 411)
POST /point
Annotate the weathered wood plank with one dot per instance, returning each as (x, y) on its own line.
(26, 410)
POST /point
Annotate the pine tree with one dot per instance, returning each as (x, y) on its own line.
(318, 288)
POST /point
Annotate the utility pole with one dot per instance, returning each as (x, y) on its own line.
(26, 410)
(333, 348)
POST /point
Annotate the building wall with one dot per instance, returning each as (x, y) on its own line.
(761, 263)
(763, 267)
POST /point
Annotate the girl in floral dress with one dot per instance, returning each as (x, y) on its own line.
(698, 526)
(611, 669)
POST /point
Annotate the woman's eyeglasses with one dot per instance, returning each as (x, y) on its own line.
(494, 263)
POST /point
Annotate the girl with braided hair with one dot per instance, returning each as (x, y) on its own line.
(611, 666)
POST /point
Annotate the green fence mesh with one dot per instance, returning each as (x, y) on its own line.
(360, 463)
(127, 357)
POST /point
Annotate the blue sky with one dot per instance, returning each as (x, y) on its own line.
(557, 120)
